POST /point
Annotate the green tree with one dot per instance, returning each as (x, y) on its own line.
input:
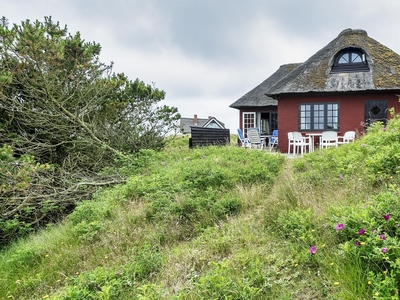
(61, 104)
(66, 116)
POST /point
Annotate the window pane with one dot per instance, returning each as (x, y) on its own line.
(355, 58)
(344, 59)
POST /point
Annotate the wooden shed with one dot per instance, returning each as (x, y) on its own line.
(204, 136)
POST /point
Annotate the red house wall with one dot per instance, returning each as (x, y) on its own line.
(351, 111)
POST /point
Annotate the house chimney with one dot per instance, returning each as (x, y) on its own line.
(209, 117)
(195, 120)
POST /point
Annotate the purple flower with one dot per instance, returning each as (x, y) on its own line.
(358, 243)
(313, 250)
(361, 231)
(340, 176)
(386, 217)
(339, 226)
(398, 225)
(362, 145)
(384, 250)
(382, 237)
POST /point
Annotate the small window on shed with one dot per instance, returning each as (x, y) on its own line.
(350, 60)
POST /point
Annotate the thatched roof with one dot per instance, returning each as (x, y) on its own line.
(315, 75)
(257, 96)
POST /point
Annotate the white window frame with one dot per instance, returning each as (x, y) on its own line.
(245, 124)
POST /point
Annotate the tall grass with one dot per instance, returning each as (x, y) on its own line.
(226, 223)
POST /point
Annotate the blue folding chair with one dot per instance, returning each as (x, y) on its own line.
(273, 140)
(244, 141)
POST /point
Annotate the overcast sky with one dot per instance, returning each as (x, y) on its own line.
(206, 54)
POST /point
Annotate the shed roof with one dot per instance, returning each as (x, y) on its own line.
(314, 75)
(187, 123)
(257, 96)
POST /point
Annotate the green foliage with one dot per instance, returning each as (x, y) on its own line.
(217, 223)
(68, 124)
(99, 284)
(372, 234)
(180, 196)
(297, 224)
(221, 283)
(19, 178)
(64, 106)
(196, 191)
(109, 284)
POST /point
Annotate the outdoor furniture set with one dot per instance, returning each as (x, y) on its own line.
(296, 141)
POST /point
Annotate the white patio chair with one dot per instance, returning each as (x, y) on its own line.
(254, 137)
(300, 143)
(290, 141)
(328, 138)
(349, 136)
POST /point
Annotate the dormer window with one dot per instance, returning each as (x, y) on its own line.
(350, 60)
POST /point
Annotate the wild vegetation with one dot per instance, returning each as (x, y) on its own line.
(66, 121)
(227, 223)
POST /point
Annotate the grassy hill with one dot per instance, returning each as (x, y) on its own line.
(227, 223)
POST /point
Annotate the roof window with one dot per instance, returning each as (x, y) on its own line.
(350, 60)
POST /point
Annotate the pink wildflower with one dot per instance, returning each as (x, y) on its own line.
(339, 226)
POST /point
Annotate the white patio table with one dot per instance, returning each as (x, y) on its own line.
(312, 135)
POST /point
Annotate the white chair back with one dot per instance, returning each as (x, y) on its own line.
(299, 141)
(297, 136)
(328, 138)
(349, 136)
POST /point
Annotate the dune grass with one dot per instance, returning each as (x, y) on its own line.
(226, 223)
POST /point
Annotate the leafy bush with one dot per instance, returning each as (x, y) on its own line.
(372, 233)
(196, 191)
(221, 283)
(102, 283)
